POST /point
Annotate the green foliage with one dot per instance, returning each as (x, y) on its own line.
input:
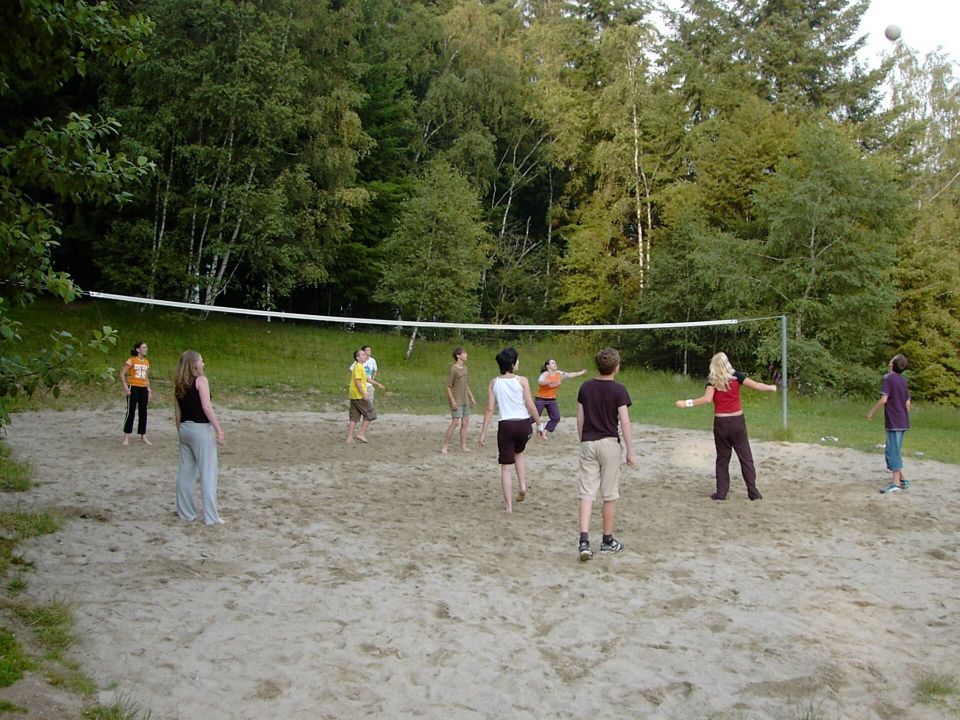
(437, 252)
(619, 171)
(832, 217)
(42, 46)
(926, 325)
(249, 111)
(49, 368)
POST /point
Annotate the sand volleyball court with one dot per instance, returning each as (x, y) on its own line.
(384, 580)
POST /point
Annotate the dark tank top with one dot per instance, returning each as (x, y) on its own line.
(190, 408)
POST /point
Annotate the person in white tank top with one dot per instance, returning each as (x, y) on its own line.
(510, 393)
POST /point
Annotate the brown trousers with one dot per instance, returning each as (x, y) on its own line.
(730, 434)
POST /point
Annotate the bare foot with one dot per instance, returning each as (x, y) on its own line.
(350, 441)
(443, 451)
(361, 438)
(465, 449)
(126, 440)
(143, 439)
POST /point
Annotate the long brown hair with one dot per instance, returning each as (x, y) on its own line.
(188, 369)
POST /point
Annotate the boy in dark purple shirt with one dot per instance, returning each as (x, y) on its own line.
(601, 413)
(895, 399)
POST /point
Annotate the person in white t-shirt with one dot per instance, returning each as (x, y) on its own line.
(511, 395)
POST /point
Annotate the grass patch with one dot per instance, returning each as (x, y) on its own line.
(14, 476)
(70, 677)
(935, 687)
(123, 709)
(16, 527)
(807, 710)
(8, 707)
(258, 365)
(13, 661)
(52, 625)
(21, 526)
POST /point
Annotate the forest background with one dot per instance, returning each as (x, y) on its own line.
(496, 161)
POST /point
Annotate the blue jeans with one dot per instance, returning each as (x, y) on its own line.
(892, 450)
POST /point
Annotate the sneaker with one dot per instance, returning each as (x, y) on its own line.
(904, 484)
(891, 488)
(585, 552)
(613, 546)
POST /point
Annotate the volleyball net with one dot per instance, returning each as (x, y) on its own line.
(667, 337)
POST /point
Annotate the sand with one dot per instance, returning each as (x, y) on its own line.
(385, 580)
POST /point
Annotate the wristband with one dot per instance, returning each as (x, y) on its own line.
(688, 403)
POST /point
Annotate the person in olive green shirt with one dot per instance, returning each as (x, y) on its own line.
(460, 398)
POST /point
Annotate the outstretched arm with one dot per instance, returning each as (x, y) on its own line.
(704, 399)
(762, 387)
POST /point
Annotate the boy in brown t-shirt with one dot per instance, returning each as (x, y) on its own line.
(460, 398)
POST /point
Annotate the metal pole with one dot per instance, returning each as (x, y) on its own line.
(783, 368)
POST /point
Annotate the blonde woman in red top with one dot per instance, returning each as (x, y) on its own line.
(729, 426)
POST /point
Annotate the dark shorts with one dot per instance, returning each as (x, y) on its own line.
(512, 437)
(362, 409)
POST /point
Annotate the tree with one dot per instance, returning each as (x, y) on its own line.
(435, 257)
(43, 46)
(926, 323)
(250, 113)
(832, 216)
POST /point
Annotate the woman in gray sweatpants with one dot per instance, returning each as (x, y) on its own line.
(200, 434)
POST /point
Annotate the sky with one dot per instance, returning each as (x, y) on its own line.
(924, 24)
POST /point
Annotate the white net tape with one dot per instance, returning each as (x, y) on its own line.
(281, 315)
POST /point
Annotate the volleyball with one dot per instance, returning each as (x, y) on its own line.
(892, 32)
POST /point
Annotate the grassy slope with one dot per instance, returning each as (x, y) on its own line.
(253, 364)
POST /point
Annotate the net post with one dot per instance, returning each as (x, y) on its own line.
(783, 366)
